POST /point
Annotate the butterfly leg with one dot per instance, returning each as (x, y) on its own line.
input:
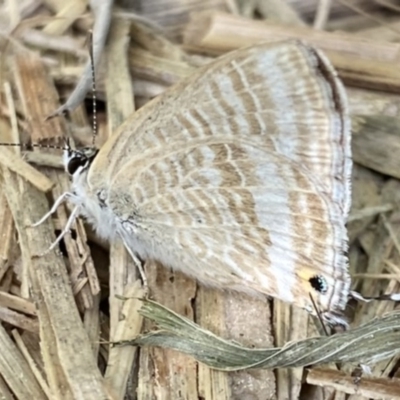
(139, 266)
(53, 209)
(67, 229)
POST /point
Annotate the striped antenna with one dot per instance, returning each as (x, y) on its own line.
(29, 146)
(94, 134)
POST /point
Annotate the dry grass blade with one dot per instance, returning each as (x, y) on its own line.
(15, 370)
(374, 341)
(120, 361)
(322, 14)
(44, 159)
(158, 69)
(370, 74)
(360, 62)
(31, 77)
(285, 318)
(176, 291)
(8, 233)
(219, 32)
(372, 388)
(124, 318)
(172, 15)
(12, 161)
(66, 16)
(275, 10)
(156, 43)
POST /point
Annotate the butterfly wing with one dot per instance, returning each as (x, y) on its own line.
(239, 176)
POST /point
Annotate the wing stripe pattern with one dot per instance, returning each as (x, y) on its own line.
(240, 175)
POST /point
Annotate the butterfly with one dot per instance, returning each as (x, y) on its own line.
(238, 176)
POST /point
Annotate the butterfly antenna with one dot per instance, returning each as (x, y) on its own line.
(29, 146)
(94, 133)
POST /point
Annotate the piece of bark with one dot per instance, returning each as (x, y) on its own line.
(370, 387)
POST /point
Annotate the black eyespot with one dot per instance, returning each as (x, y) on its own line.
(74, 163)
(319, 283)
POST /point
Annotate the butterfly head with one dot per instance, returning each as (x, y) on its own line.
(78, 160)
